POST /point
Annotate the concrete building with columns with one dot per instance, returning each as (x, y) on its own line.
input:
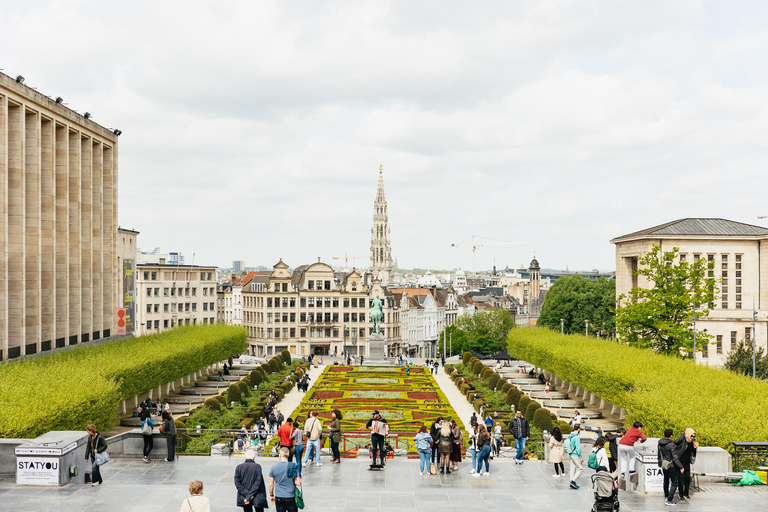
(740, 255)
(58, 205)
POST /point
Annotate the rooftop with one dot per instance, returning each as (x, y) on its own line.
(698, 227)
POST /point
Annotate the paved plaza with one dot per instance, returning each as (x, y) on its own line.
(350, 487)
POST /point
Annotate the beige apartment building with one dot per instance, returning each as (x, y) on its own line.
(58, 205)
(740, 255)
(171, 295)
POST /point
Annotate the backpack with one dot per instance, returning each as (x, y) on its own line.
(592, 462)
(567, 446)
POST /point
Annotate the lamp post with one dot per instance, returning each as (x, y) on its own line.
(562, 326)
(754, 337)
(586, 327)
(694, 331)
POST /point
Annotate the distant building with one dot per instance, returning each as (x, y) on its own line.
(229, 298)
(740, 256)
(126, 280)
(238, 266)
(424, 314)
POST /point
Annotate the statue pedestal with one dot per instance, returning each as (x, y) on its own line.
(376, 352)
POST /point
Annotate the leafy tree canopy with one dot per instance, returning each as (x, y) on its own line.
(484, 332)
(576, 299)
(740, 361)
(660, 316)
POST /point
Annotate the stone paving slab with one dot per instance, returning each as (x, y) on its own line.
(131, 485)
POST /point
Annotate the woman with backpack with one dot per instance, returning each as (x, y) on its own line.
(556, 452)
(598, 459)
(146, 433)
(484, 448)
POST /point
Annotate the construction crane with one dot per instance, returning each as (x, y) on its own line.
(473, 244)
(346, 259)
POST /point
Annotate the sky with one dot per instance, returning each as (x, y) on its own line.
(254, 130)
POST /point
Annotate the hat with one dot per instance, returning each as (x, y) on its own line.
(375, 412)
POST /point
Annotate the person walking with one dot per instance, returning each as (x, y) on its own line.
(249, 482)
(335, 429)
(379, 430)
(497, 439)
(96, 444)
(423, 442)
(519, 429)
(613, 448)
(458, 438)
(298, 443)
(445, 446)
(196, 501)
(670, 464)
(572, 447)
(556, 452)
(484, 447)
(169, 429)
(627, 451)
(598, 448)
(686, 446)
(285, 434)
(283, 480)
(313, 429)
(434, 433)
(147, 424)
(473, 447)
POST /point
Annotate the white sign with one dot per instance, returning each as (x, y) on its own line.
(654, 479)
(37, 471)
(45, 451)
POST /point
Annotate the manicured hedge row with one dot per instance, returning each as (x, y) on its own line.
(662, 392)
(68, 390)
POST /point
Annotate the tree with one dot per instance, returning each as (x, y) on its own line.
(661, 315)
(740, 361)
(576, 299)
(484, 332)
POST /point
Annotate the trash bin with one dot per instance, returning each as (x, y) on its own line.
(53, 459)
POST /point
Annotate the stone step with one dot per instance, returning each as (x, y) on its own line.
(562, 404)
(552, 395)
(228, 378)
(212, 384)
(587, 414)
(189, 399)
(207, 391)
(531, 387)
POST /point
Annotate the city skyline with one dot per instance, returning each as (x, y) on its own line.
(256, 131)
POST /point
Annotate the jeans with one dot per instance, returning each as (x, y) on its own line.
(335, 450)
(299, 451)
(171, 444)
(312, 444)
(520, 446)
(377, 446)
(627, 456)
(670, 482)
(473, 454)
(436, 455)
(485, 452)
(286, 505)
(577, 467)
(424, 456)
(95, 472)
(149, 443)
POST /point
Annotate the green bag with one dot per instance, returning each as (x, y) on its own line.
(592, 461)
(750, 478)
(299, 498)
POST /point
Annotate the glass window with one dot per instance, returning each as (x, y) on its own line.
(149, 308)
(310, 285)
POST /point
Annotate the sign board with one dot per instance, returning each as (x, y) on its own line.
(37, 471)
(654, 478)
(121, 323)
(45, 449)
(129, 291)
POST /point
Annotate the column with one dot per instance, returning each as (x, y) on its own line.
(47, 236)
(4, 230)
(110, 269)
(61, 212)
(15, 247)
(75, 296)
(86, 238)
(97, 285)
(32, 231)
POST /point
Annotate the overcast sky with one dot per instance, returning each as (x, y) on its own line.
(255, 130)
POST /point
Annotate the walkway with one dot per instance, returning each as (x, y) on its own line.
(131, 485)
(458, 401)
(291, 401)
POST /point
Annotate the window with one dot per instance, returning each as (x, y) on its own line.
(157, 324)
(327, 334)
(149, 308)
(173, 292)
(327, 317)
(173, 307)
(194, 292)
(269, 332)
(284, 302)
(285, 317)
(157, 292)
(154, 276)
(165, 292)
(696, 257)
(202, 276)
(186, 292)
(303, 333)
(327, 285)
(682, 258)
(705, 351)
(354, 287)
(285, 287)
(346, 317)
(724, 274)
(311, 302)
(335, 302)
(335, 333)
(719, 344)
(269, 302)
(186, 306)
(165, 308)
(194, 306)
(733, 335)
(205, 306)
(747, 335)
(327, 302)
(205, 291)
(157, 308)
(146, 276)
(354, 303)
(149, 292)
(738, 262)
(354, 317)
(318, 285)
(310, 285)
(208, 278)
(346, 303)
(303, 317)
(277, 287)
(293, 317)
(293, 332)
(303, 302)
(165, 324)
(269, 318)
(293, 302)
(211, 307)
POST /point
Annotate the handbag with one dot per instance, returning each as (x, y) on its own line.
(297, 494)
(666, 464)
(147, 428)
(102, 458)
(432, 469)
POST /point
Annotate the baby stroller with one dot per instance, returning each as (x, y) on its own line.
(606, 492)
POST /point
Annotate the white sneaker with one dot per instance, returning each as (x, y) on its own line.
(421, 473)
(304, 464)
(476, 475)
(555, 476)
(318, 463)
(486, 474)
(472, 471)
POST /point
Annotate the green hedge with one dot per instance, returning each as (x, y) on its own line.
(542, 419)
(522, 404)
(98, 377)
(660, 391)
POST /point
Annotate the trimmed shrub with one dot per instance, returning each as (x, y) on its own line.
(448, 368)
(477, 368)
(506, 387)
(244, 390)
(286, 356)
(513, 396)
(255, 378)
(222, 399)
(564, 427)
(465, 359)
(646, 383)
(493, 380)
(233, 393)
(531, 409)
(213, 404)
(541, 418)
(522, 404)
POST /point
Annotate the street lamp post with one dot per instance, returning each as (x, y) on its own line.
(754, 338)
(586, 327)
(562, 326)
(694, 332)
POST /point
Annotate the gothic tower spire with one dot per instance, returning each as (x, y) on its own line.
(381, 252)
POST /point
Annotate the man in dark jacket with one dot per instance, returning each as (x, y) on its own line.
(249, 481)
(670, 464)
(518, 427)
(613, 447)
(434, 433)
(686, 446)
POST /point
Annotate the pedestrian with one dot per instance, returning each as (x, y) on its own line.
(96, 445)
(458, 438)
(445, 446)
(434, 433)
(473, 419)
(576, 418)
(158, 407)
(335, 429)
(670, 464)
(686, 446)
(169, 429)
(435, 367)
(519, 429)
(613, 448)
(146, 434)
(379, 429)
(196, 501)
(283, 480)
(556, 451)
(423, 441)
(313, 429)
(285, 434)
(484, 447)
(473, 446)
(572, 446)
(298, 443)
(598, 448)
(442, 360)
(279, 418)
(497, 439)
(361, 359)
(249, 482)
(262, 426)
(627, 451)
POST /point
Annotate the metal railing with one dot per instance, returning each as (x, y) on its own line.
(748, 455)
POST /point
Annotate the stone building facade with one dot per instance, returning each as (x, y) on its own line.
(740, 255)
(58, 205)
